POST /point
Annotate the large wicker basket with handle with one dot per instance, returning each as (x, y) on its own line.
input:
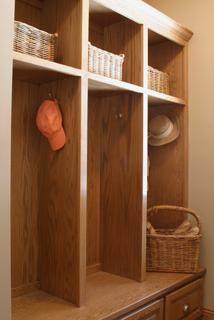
(169, 252)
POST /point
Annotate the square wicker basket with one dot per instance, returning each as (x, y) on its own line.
(32, 41)
(105, 63)
(158, 80)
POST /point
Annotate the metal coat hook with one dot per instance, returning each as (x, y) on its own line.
(51, 96)
(119, 116)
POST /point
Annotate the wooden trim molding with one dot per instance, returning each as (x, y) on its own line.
(143, 13)
(208, 314)
(27, 288)
(34, 3)
(94, 268)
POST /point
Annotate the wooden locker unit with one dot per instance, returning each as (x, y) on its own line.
(78, 216)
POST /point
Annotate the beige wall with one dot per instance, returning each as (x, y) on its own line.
(198, 15)
(6, 29)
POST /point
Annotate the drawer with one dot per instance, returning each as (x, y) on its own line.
(153, 311)
(185, 303)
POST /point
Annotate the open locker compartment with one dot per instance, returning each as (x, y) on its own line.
(45, 190)
(115, 217)
(168, 179)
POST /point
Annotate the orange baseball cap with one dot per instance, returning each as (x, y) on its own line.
(49, 122)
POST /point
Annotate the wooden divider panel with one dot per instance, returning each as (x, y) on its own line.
(25, 161)
(121, 185)
(60, 198)
(94, 157)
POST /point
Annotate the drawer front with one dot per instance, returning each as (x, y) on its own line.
(185, 303)
(153, 311)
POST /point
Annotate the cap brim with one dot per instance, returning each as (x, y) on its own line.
(57, 141)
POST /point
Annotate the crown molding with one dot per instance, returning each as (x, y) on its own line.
(143, 13)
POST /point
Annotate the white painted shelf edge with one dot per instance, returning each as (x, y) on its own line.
(101, 83)
(155, 97)
(25, 61)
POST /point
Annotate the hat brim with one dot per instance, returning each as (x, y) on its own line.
(171, 137)
(57, 141)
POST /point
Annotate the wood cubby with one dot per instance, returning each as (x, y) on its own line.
(119, 35)
(63, 17)
(168, 56)
(78, 216)
(45, 193)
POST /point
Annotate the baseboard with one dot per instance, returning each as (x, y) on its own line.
(33, 3)
(208, 314)
(20, 291)
(93, 268)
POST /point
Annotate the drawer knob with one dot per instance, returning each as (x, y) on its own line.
(186, 308)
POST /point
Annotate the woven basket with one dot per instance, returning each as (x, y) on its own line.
(105, 63)
(158, 80)
(173, 253)
(32, 41)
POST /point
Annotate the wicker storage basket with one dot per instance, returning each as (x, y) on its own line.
(158, 80)
(105, 63)
(32, 41)
(173, 253)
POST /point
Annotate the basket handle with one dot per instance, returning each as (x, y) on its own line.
(155, 210)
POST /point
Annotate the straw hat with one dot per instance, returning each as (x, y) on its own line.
(163, 129)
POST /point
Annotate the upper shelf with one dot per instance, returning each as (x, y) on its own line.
(101, 83)
(155, 97)
(32, 68)
(142, 13)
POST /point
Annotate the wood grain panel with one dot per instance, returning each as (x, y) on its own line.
(65, 18)
(96, 34)
(94, 155)
(24, 184)
(170, 57)
(61, 191)
(127, 38)
(168, 169)
(28, 13)
(34, 3)
(121, 185)
(153, 311)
